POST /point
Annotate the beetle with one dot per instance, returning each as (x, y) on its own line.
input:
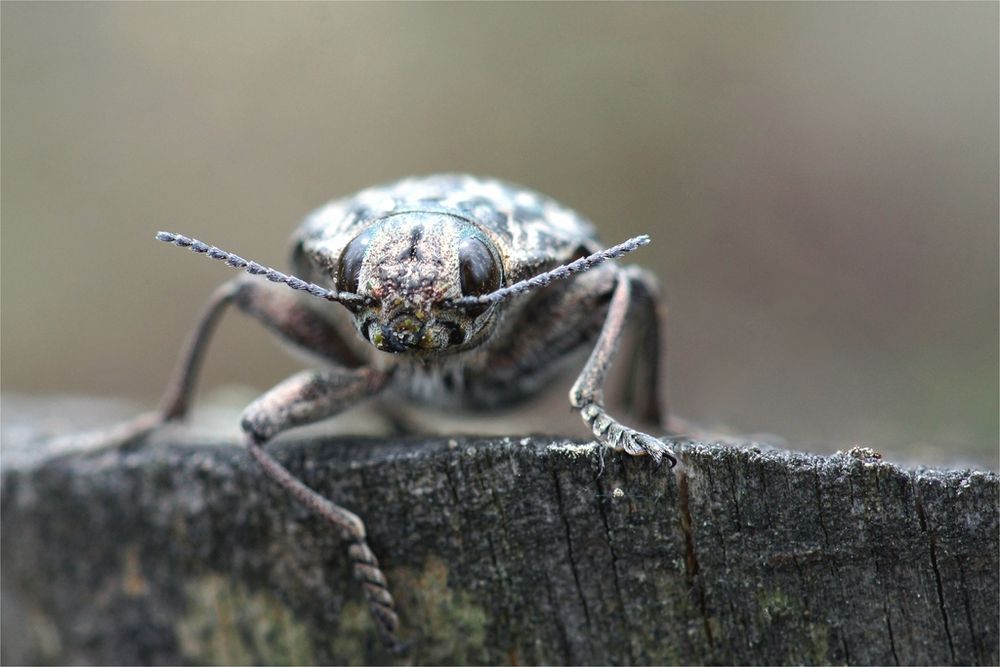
(457, 291)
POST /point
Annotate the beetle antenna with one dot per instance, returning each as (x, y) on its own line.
(254, 268)
(558, 273)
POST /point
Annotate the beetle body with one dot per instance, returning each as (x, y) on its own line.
(413, 231)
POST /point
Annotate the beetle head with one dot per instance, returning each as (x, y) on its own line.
(409, 269)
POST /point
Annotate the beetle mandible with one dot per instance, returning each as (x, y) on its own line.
(441, 277)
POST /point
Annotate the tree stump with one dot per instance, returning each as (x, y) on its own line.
(520, 550)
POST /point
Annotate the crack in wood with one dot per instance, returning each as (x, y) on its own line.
(932, 546)
(603, 500)
(569, 548)
(690, 557)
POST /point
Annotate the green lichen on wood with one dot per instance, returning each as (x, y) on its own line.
(226, 624)
(787, 615)
(44, 635)
(443, 626)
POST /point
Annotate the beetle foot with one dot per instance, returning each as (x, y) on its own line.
(621, 438)
(123, 436)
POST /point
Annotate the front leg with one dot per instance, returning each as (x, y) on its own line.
(560, 320)
(293, 319)
(587, 394)
(302, 399)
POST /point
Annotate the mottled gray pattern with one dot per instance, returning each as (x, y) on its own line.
(531, 231)
(411, 272)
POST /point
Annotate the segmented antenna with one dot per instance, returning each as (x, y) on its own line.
(558, 273)
(541, 280)
(256, 269)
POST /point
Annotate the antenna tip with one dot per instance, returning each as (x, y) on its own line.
(165, 236)
(642, 239)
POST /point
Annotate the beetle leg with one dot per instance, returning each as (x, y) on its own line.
(302, 399)
(646, 386)
(280, 310)
(277, 308)
(587, 394)
(176, 398)
(530, 349)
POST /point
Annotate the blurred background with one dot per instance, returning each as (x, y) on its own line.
(820, 182)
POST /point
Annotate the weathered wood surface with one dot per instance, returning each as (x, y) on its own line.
(509, 551)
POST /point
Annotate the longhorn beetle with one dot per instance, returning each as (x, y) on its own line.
(442, 279)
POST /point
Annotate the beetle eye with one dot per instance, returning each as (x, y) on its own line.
(349, 266)
(480, 272)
